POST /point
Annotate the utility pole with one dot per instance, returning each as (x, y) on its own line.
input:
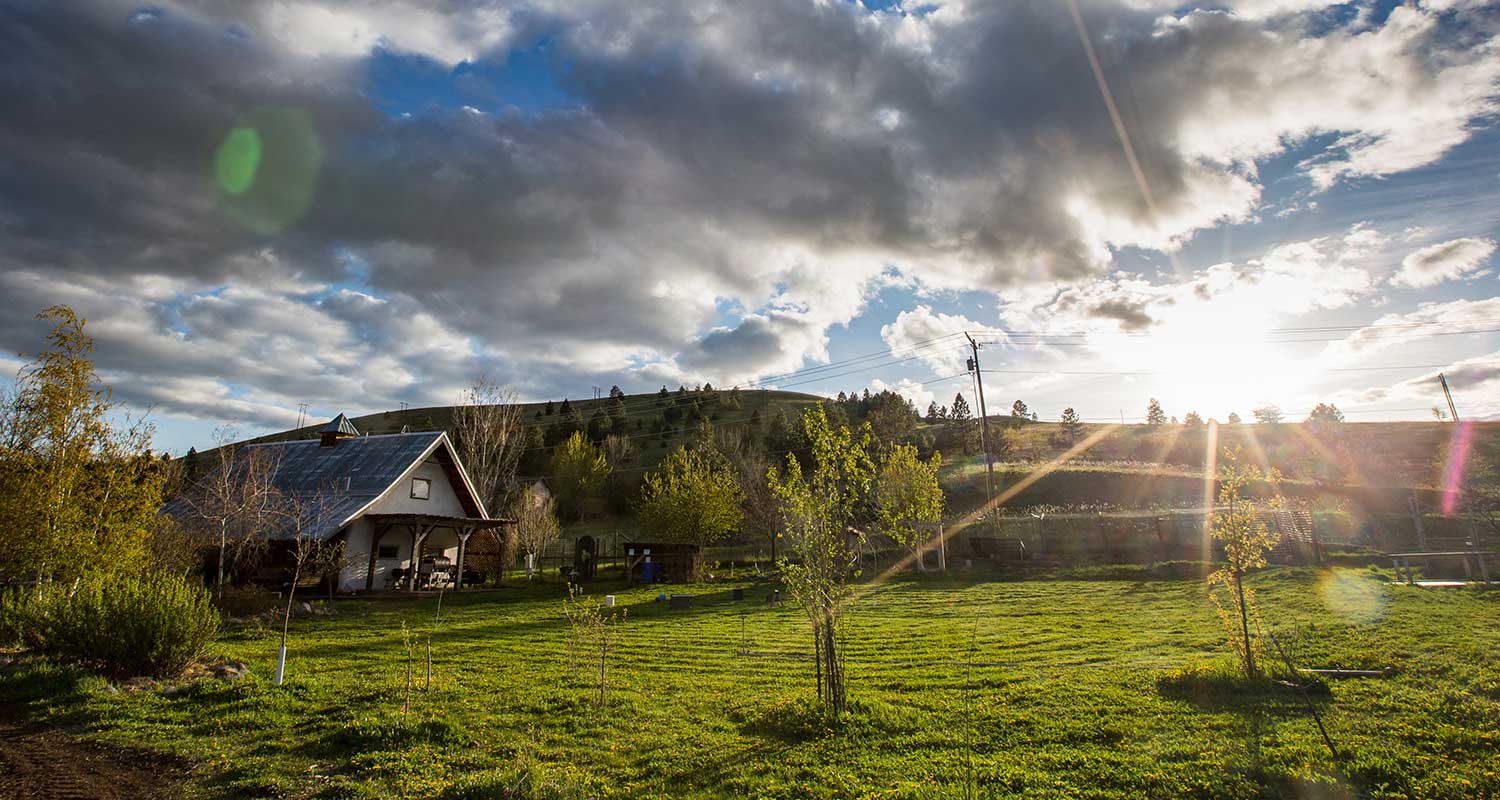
(301, 414)
(1452, 412)
(984, 421)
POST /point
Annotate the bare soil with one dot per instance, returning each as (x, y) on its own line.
(38, 762)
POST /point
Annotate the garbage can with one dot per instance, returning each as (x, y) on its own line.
(649, 571)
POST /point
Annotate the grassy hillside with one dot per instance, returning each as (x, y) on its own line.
(965, 686)
(1370, 467)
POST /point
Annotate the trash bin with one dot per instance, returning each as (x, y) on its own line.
(649, 571)
(681, 601)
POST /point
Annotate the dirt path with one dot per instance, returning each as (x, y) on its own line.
(41, 763)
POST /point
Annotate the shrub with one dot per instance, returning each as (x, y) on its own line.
(247, 601)
(151, 625)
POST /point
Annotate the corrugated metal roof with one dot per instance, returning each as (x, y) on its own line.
(351, 473)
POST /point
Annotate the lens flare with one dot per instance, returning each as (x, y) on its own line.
(1458, 459)
(237, 160)
(1352, 597)
(267, 168)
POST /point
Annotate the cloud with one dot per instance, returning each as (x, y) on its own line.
(930, 337)
(1433, 318)
(780, 159)
(1447, 261)
(919, 395)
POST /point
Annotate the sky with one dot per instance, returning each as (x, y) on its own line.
(361, 205)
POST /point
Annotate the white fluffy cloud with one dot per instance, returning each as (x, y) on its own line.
(1449, 260)
(919, 395)
(928, 336)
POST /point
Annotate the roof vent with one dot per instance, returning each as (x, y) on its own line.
(339, 428)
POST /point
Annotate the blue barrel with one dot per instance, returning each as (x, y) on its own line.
(649, 571)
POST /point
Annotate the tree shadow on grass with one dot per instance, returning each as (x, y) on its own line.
(1215, 688)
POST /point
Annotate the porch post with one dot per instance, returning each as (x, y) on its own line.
(418, 538)
(375, 534)
(463, 541)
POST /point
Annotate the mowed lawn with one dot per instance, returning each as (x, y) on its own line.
(974, 685)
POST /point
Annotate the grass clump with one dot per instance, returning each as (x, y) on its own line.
(152, 625)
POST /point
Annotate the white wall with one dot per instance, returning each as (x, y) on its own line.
(443, 501)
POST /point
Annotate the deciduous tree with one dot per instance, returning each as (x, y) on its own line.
(1246, 540)
(488, 434)
(236, 502)
(536, 525)
(907, 494)
(579, 470)
(78, 492)
(821, 510)
(1268, 414)
(694, 497)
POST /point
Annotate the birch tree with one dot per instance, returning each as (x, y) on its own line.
(236, 500)
(78, 493)
(488, 434)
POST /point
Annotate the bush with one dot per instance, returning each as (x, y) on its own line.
(121, 626)
(247, 601)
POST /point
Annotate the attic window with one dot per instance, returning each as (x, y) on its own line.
(421, 489)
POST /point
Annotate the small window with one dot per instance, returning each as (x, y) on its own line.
(421, 489)
(389, 551)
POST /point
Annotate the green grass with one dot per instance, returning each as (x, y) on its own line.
(1090, 688)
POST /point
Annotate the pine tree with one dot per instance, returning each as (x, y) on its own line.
(842, 398)
(565, 408)
(1234, 419)
(615, 393)
(548, 409)
(1071, 425)
(960, 410)
(1193, 420)
(1018, 410)
(1154, 414)
(932, 412)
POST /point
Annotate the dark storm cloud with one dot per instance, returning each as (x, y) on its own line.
(781, 154)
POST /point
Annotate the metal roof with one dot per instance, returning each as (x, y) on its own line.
(340, 425)
(350, 474)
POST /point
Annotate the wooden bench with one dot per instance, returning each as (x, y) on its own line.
(1402, 561)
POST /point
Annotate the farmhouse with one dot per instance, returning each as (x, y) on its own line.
(401, 503)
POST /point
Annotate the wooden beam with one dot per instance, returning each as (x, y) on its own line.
(375, 534)
(418, 538)
(463, 542)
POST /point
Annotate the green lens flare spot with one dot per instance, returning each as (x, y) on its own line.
(237, 160)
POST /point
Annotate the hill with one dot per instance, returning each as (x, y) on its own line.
(1374, 466)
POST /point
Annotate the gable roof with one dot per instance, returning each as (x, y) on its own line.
(356, 472)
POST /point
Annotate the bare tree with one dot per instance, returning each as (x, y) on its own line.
(489, 437)
(236, 499)
(536, 525)
(306, 517)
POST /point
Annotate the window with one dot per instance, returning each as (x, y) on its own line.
(389, 551)
(421, 489)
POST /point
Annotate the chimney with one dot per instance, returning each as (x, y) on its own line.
(338, 428)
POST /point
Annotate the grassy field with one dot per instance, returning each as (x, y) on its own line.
(1049, 686)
